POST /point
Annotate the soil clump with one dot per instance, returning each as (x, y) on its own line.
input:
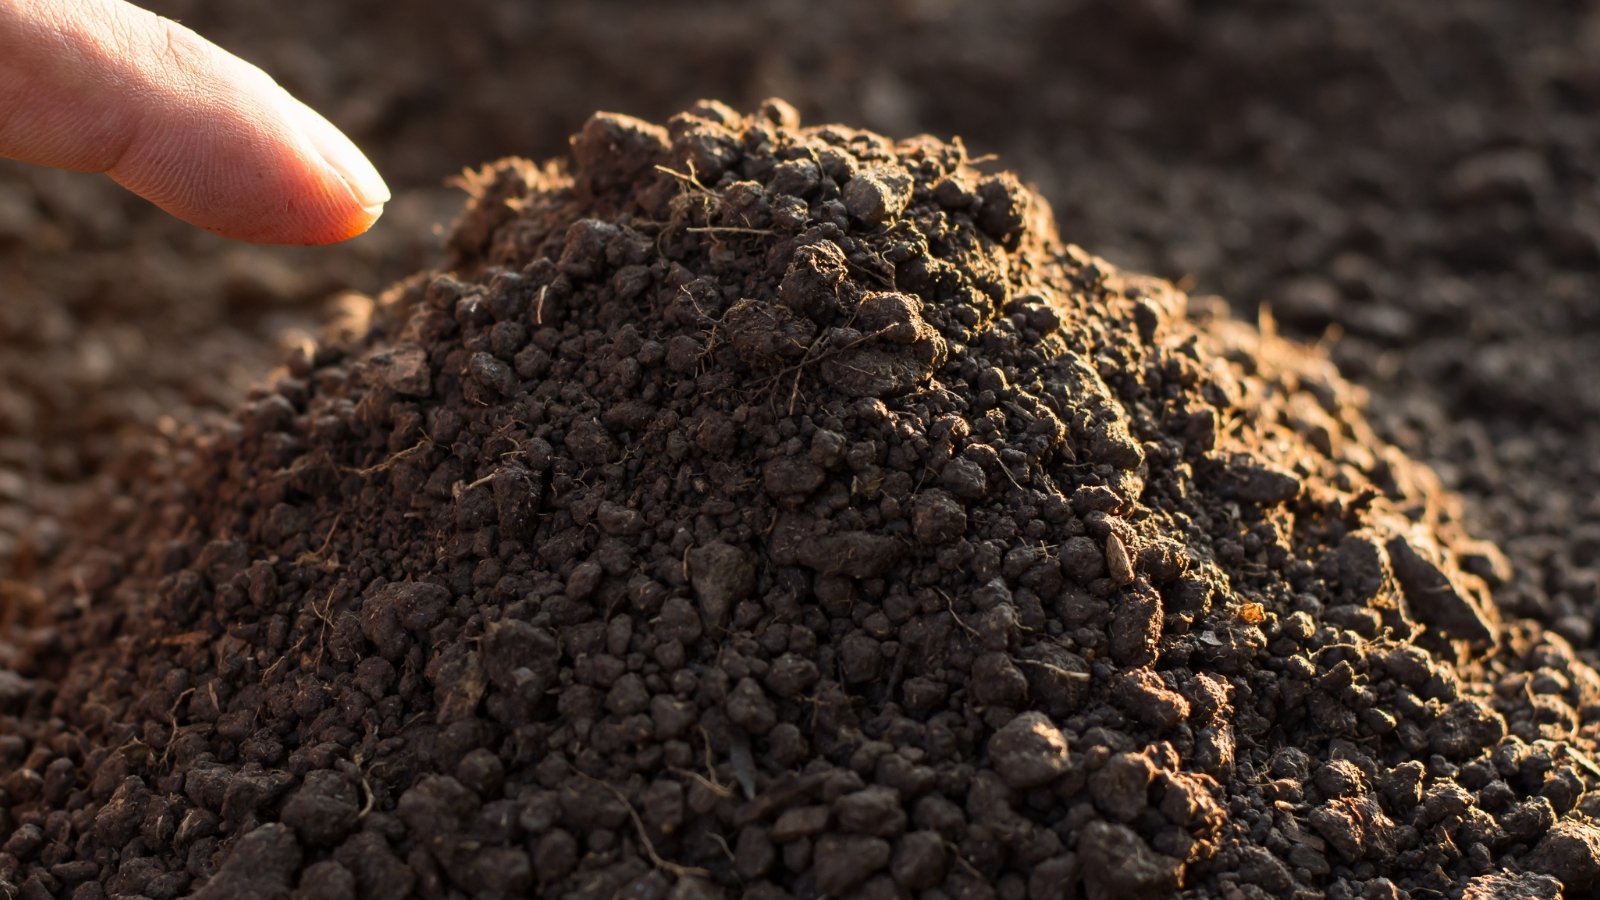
(749, 508)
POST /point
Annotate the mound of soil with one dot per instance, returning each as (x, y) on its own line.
(1414, 177)
(778, 511)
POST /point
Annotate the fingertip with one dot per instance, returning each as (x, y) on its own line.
(352, 195)
(325, 188)
(355, 226)
(273, 191)
(341, 155)
(313, 205)
(297, 227)
(179, 121)
(314, 185)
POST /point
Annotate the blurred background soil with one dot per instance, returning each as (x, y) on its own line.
(1412, 184)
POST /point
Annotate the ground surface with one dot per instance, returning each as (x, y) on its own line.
(1418, 183)
(795, 495)
(1418, 180)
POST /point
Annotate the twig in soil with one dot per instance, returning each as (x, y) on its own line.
(148, 752)
(723, 843)
(731, 229)
(691, 180)
(711, 765)
(702, 780)
(799, 368)
(681, 214)
(172, 719)
(1057, 670)
(709, 780)
(317, 554)
(284, 657)
(950, 605)
(716, 322)
(369, 799)
(325, 616)
(644, 835)
(538, 306)
(884, 281)
(389, 463)
(1010, 477)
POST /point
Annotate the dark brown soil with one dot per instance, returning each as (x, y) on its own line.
(1416, 178)
(749, 509)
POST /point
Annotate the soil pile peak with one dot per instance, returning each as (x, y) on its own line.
(756, 509)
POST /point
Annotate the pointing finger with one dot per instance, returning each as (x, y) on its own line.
(103, 86)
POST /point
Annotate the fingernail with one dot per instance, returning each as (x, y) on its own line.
(344, 158)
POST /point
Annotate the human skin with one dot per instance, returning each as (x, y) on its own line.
(104, 86)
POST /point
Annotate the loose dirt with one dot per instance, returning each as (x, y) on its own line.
(754, 509)
(1415, 179)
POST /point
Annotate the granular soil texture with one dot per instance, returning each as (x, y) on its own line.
(1417, 178)
(749, 509)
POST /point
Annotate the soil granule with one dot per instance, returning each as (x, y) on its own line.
(749, 509)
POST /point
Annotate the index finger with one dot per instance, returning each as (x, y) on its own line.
(103, 86)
